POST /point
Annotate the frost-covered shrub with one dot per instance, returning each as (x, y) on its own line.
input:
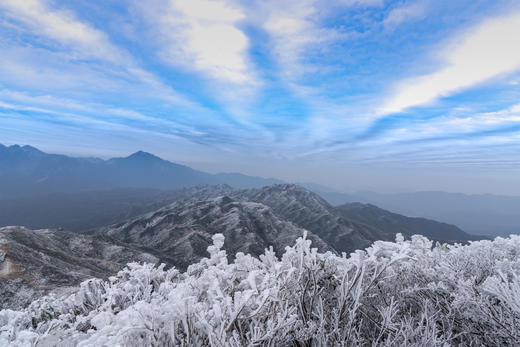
(403, 293)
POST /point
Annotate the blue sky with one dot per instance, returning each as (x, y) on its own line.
(353, 94)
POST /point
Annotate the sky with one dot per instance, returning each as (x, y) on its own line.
(351, 94)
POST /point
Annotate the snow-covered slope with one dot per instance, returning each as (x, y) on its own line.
(308, 210)
(183, 230)
(35, 261)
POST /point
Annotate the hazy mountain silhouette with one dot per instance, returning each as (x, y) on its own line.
(482, 214)
(27, 171)
(395, 223)
(35, 186)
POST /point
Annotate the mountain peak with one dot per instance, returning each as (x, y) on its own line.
(31, 149)
(309, 211)
(20, 151)
(141, 155)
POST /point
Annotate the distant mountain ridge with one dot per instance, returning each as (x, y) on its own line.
(480, 214)
(36, 181)
(395, 223)
(27, 171)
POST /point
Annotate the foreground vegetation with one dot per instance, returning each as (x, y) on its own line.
(403, 293)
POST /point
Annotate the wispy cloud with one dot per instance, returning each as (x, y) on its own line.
(309, 48)
(471, 124)
(484, 52)
(63, 27)
(455, 130)
(74, 41)
(300, 33)
(113, 119)
(405, 13)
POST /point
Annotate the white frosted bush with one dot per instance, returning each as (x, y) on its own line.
(403, 293)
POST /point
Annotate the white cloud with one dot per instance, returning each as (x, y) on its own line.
(90, 116)
(299, 29)
(203, 34)
(296, 32)
(515, 109)
(75, 40)
(405, 13)
(436, 132)
(94, 112)
(63, 27)
(304, 43)
(487, 51)
(450, 125)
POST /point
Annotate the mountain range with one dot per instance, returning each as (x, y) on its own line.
(481, 214)
(69, 219)
(41, 190)
(178, 234)
(27, 171)
(395, 223)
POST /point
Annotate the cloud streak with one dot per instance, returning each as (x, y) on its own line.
(62, 27)
(76, 42)
(405, 13)
(486, 51)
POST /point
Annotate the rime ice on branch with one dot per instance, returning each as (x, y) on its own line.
(405, 293)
